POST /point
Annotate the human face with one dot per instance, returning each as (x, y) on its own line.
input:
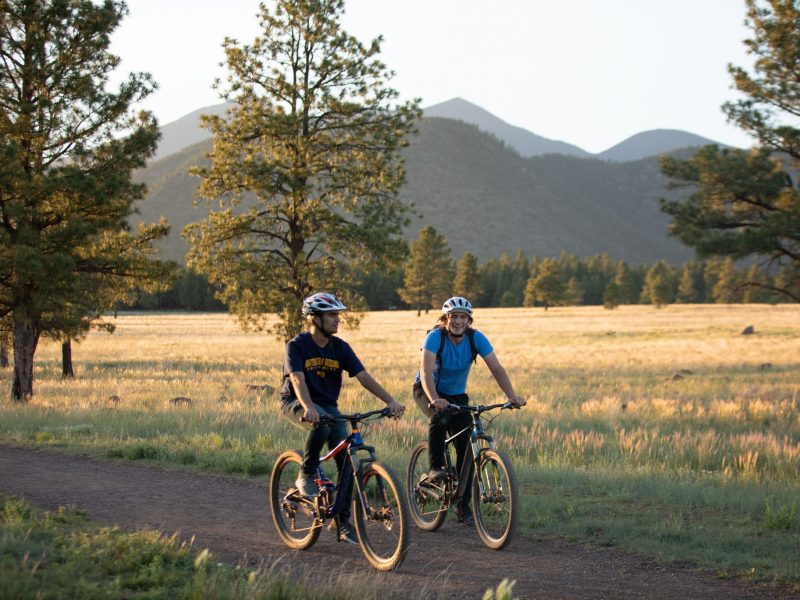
(329, 322)
(457, 323)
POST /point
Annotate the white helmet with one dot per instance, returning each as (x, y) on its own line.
(457, 304)
(321, 302)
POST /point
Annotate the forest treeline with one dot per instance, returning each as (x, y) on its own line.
(568, 280)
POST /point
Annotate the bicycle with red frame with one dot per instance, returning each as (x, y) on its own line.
(379, 506)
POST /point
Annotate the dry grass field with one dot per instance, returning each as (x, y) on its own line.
(663, 431)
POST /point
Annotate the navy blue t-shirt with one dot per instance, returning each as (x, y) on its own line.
(322, 368)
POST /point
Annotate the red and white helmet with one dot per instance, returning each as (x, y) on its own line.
(321, 302)
(457, 304)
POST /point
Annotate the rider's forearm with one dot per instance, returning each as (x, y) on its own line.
(301, 389)
(429, 386)
(504, 382)
(373, 387)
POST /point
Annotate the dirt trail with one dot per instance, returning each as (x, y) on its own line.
(230, 517)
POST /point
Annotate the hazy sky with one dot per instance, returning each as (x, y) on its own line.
(587, 72)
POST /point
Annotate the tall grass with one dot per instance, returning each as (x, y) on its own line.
(664, 431)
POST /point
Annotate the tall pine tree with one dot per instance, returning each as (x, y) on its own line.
(745, 203)
(428, 275)
(306, 166)
(68, 147)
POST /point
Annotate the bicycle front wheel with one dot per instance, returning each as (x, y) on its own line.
(426, 499)
(494, 499)
(294, 516)
(381, 517)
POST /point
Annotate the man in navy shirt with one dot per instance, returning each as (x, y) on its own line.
(312, 379)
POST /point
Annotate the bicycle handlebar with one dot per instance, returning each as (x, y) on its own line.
(383, 412)
(481, 408)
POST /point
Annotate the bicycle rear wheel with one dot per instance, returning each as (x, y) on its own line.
(381, 517)
(294, 516)
(426, 500)
(494, 499)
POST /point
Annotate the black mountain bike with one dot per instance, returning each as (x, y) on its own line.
(494, 485)
(379, 506)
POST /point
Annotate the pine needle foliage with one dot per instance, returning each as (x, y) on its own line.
(305, 167)
(67, 150)
(746, 202)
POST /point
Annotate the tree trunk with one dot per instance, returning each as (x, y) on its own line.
(3, 354)
(26, 337)
(66, 360)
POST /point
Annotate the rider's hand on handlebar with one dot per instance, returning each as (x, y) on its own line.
(440, 404)
(311, 415)
(395, 408)
(517, 401)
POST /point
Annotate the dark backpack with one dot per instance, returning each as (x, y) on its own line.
(470, 336)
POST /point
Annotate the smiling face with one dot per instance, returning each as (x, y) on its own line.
(457, 323)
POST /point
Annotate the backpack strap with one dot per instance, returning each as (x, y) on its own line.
(472, 347)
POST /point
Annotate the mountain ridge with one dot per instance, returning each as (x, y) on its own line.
(186, 130)
(483, 196)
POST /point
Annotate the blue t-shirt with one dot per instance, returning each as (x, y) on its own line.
(322, 368)
(451, 376)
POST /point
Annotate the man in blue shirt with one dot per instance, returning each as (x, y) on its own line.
(312, 379)
(442, 379)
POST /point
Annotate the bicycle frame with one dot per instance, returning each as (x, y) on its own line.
(454, 493)
(352, 444)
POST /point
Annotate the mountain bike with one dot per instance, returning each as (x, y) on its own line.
(379, 506)
(494, 484)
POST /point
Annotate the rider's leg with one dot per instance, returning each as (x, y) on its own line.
(316, 438)
(336, 433)
(459, 422)
(437, 428)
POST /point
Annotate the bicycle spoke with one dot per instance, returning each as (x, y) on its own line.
(381, 518)
(427, 499)
(293, 516)
(494, 499)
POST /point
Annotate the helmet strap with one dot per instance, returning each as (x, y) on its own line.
(320, 327)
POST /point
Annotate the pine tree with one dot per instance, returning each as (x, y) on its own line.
(687, 294)
(745, 202)
(727, 290)
(428, 272)
(306, 166)
(626, 285)
(658, 288)
(612, 297)
(68, 150)
(757, 286)
(467, 281)
(505, 279)
(547, 286)
(574, 292)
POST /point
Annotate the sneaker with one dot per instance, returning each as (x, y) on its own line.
(347, 533)
(464, 515)
(435, 474)
(306, 485)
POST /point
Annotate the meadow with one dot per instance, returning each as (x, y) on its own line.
(664, 432)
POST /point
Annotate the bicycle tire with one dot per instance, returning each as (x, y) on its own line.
(494, 499)
(427, 504)
(296, 525)
(381, 523)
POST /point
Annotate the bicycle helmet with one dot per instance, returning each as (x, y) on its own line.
(321, 302)
(457, 304)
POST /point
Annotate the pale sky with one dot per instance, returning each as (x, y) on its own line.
(587, 72)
